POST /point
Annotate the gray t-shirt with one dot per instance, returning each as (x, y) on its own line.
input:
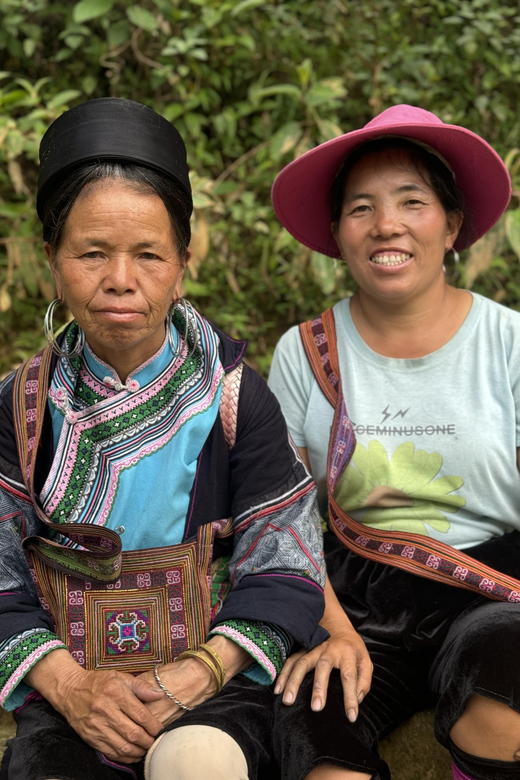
(437, 436)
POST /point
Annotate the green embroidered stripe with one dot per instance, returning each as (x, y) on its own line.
(119, 425)
(266, 639)
(220, 583)
(17, 654)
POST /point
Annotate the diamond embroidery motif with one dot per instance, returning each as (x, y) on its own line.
(127, 632)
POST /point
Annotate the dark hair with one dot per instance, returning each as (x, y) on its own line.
(440, 178)
(60, 201)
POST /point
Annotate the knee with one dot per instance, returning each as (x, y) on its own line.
(195, 752)
(488, 729)
(329, 772)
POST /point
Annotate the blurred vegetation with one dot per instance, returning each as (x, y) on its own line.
(250, 85)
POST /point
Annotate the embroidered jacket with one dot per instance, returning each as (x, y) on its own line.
(276, 563)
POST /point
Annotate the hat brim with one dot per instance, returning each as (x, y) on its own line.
(301, 190)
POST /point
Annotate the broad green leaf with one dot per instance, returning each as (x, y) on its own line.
(324, 271)
(304, 71)
(15, 96)
(29, 47)
(328, 129)
(512, 220)
(118, 33)
(320, 94)
(481, 254)
(246, 5)
(12, 210)
(62, 98)
(201, 201)
(141, 17)
(63, 54)
(89, 84)
(86, 10)
(285, 139)
(256, 94)
(74, 41)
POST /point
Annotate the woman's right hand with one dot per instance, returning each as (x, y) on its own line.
(346, 651)
(107, 708)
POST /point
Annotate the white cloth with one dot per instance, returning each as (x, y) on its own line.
(195, 753)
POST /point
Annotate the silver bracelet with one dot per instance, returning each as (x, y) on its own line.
(167, 692)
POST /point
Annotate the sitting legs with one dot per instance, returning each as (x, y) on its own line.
(488, 729)
(476, 674)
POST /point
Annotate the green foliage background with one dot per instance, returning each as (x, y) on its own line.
(250, 85)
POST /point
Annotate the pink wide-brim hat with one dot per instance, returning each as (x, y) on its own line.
(301, 190)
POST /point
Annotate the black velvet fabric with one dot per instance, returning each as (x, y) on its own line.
(483, 768)
(45, 745)
(428, 642)
(110, 129)
(479, 655)
(304, 740)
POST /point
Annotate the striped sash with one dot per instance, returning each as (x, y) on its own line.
(412, 552)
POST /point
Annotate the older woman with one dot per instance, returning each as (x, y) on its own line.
(150, 476)
(405, 402)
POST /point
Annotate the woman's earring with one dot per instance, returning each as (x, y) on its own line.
(456, 259)
(169, 317)
(48, 329)
(190, 321)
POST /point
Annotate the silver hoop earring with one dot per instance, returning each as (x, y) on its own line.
(456, 257)
(176, 350)
(48, 329)
(189, 319)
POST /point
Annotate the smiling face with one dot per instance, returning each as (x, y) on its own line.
(118, 270)
(393, 231)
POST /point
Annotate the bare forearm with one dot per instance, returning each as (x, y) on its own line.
(334, 618)
(234, 657)
(53, 675)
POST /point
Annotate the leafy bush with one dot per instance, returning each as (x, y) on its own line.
(250, 85)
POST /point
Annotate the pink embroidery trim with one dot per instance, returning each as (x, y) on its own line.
(251, 648)
(22, 670)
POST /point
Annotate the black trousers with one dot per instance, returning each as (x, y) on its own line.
(430, 643)
(46, 746)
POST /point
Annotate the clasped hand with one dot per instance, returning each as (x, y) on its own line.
(120, 715)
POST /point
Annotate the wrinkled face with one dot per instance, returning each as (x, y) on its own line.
(393, 231)
(118, 270)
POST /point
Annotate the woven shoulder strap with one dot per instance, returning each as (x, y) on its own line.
(412, 552)
(228, 407)
(100, 558)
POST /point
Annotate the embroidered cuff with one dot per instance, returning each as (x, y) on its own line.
(268, 645)
(18, 654)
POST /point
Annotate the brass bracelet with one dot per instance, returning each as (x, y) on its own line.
(165, 690)
(218, 660)
(209, 663)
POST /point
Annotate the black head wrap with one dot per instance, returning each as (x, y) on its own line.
(113, 129)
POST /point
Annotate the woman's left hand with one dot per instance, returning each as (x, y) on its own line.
(191, 681)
